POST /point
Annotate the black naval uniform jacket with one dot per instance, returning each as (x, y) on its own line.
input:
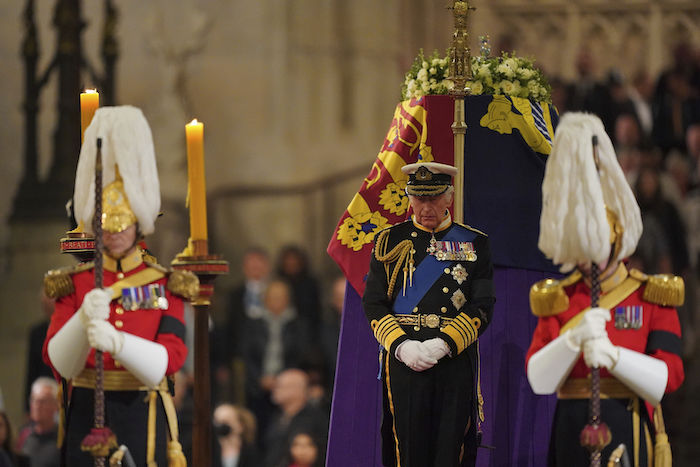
(429, 417)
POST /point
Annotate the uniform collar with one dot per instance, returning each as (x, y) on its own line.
(443, 225)
(125, 264)
(612, 281)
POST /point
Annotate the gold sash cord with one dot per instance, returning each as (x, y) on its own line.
(125, 381)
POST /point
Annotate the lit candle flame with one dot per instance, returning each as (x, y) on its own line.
(193, 122)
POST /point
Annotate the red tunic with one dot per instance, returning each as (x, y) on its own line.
(658, 336)
(165, 327)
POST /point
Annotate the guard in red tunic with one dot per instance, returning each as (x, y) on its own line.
(590, 215)
(136, 319)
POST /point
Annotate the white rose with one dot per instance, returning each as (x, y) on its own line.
(476, 88)
(505, 70)
(516, 88)
(448, 83)
(534, 89)
(422, 74)
(483, 71)
(424, 65)
(507, 86)
(511, 63)
(525, 73)
(432, 70)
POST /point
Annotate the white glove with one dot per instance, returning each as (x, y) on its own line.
(600, 352)
(95, 306)
(437, 347)
(591, 326)
(103, 336)
(415, 355)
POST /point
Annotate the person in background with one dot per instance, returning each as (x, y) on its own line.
(237, 445)
(294, 413)
(35, 361)
(8, 454)
(304, 451)
(269, 344)
(37, 440)
(293, 267)
(245, 302)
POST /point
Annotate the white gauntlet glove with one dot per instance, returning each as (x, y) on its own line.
(415, 355)
(591, 326)
(600, 353)
(103, 336)
(437, 347)
(95, 306)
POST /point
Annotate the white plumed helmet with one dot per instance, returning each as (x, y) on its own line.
(128, 157)
(574, 226)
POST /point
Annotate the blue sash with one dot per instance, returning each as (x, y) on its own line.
(427, 272)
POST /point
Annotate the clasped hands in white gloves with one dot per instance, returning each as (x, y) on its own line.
(95, 306)
(420, 356)
(94, 313)
(591, 326)
(600, 353)
(103, 336)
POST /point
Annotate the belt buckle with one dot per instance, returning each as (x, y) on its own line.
(432, 321)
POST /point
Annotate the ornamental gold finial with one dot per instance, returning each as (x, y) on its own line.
(460, 55)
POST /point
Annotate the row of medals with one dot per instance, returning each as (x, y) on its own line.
(147, 297)
(443, 252)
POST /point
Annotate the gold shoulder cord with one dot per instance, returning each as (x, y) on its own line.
(401, 254)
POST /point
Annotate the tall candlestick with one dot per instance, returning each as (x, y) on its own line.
(89, 103)
(197, 187)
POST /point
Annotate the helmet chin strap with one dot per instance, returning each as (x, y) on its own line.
(137, 238)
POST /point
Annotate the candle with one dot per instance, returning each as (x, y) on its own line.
(89, 103)
(197, 187)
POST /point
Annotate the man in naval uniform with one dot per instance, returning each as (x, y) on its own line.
(590, 215)
(429, 296)
(136, 319)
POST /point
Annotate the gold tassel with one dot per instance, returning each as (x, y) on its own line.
(116, 458)
(175, 456)
(662, 448)
(151, 437)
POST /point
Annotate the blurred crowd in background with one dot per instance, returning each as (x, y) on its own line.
(273, 352)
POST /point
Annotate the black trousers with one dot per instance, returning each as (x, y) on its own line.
(571, 415)
(126, 414)
(427, 414)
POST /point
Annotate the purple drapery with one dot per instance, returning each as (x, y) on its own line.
(517, 422)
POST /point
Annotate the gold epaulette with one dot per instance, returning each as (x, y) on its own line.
(469, 227)
(58, 283)
(547, 297)
(183, 283)
(661, 289)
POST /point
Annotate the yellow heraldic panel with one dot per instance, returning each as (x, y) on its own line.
(360, 227)
(500, 117)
